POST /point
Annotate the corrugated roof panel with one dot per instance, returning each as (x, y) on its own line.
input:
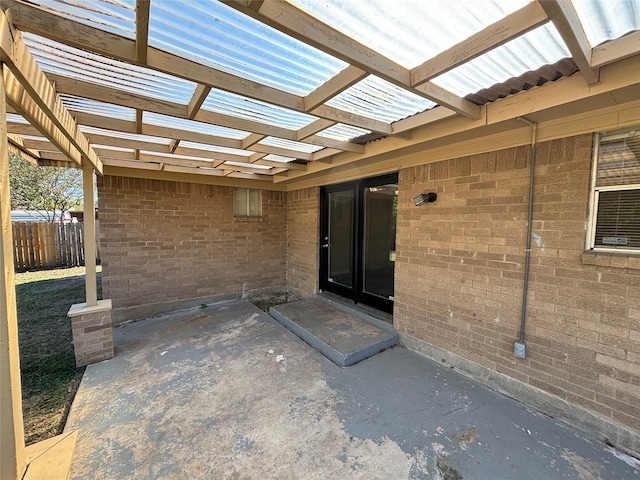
(173, 156)
(409, 31)
(115, 16)
(607, 20)
(123, 135)
(247, 165)
(114, 149)
(342, 132)
(529, 52)
(379, 99)
(217, 35)
(279, 158)
(15, 118)
(192, 126)
(61, 59)
(98, 108)
(215, 148)
(255, 110)
(288, 144)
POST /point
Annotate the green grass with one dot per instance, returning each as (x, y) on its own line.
(47, 362)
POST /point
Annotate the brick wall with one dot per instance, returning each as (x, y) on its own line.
(303, 209)
(459, 275)
(165, 241)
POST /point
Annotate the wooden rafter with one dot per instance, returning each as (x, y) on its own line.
(52, 118)
(142, 29)
(339, 83)
(20, 99)
(616, 50)
(298, 24)
(565, 18)
(499, 33)
(114, 96)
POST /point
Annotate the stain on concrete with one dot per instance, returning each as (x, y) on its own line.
(586, 469)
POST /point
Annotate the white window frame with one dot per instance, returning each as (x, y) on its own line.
(246, 209)
(594, 196)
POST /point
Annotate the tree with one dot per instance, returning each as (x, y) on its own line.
(50, 189)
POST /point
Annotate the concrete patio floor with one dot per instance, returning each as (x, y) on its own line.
(227, 393)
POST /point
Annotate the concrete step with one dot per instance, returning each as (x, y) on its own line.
(342, 334)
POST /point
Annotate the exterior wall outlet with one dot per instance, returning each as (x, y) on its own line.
(520, 349)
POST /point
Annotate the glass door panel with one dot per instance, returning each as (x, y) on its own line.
(340, 237)
(379, 242)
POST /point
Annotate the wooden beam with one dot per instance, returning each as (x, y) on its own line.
(12, 450)
(20, 99)
(294, 22)
(348, 118)
(82, 88)
(332, 87)
(17, 147)
(499, 33)
(142, 29)
(197, 99)
(125, 126)
(419, 119)
(616, 50)
(313, 128)
(251, 140)
(565, 18)
(335, 144)
(27, 72)
(288, 166)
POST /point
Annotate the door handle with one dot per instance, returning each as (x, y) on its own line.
(326, 245)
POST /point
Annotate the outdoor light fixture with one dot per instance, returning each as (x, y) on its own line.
(424, 198)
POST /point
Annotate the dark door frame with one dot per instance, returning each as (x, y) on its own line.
(355, 292)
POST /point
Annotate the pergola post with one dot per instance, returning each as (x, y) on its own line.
(91, 321)
(88, 186)
(12, 448)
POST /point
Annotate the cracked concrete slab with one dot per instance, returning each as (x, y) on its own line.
(227, 393)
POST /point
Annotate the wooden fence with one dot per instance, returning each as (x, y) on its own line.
(41, 245)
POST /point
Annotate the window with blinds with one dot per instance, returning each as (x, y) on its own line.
(616, 222)
(247, 202)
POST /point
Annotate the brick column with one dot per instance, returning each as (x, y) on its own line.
(92, 332)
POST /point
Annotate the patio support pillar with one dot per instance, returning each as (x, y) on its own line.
(88, 187)
(12, 449)
(91, 321)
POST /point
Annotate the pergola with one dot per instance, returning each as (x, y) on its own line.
(271, 94)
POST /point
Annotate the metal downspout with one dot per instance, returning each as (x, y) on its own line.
(520, 349)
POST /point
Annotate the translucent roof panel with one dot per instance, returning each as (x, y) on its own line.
(192, 126)
(279, 158)
(342, 132)
(217, 35)
(379, 99)
(248, 165)
(216, 149)
(14, 118)
(115, 16)
(255, 110)
(288, 144)
(173, 156)
(71, 62)
(127, 136)
(409, 31)
(529, 52)
(84, 105)
(607, 20)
